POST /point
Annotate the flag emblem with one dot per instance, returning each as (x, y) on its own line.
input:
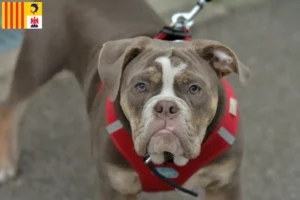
(22, 15)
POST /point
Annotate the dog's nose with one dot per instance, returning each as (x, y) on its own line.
(165, 109)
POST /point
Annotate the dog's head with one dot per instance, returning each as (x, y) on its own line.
(168, 91)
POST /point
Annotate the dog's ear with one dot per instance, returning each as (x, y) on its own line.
(222, 59)
(113, 58)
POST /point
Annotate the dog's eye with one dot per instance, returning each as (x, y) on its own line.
(194, 89)
(141, 87)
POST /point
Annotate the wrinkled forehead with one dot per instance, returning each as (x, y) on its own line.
(174, 64)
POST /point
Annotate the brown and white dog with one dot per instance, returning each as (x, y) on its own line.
(168, 95)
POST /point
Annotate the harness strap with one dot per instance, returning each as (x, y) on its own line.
(170, 34)
(218, 142)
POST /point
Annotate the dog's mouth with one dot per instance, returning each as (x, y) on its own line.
(165, 147)
(169, 157)
(165, 140)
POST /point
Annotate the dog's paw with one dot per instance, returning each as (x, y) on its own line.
(7, 173)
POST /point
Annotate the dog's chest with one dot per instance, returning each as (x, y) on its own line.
(212, 177)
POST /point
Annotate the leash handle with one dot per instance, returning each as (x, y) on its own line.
(184, 20)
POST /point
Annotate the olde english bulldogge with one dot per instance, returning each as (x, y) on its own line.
(159, 98)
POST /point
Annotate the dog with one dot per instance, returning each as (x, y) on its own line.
(168, 96)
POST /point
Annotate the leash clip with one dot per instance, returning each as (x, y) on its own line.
(184, 20)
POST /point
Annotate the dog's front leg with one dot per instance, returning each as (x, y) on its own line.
(41, 57)
(9, 154)
(118, 183)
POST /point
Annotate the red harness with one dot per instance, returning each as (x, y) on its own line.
(219, 141)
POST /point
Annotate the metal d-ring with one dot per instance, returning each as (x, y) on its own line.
(183, 20)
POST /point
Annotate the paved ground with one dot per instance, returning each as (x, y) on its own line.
(55, 161)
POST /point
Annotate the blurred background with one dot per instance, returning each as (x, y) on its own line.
(265, 34)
